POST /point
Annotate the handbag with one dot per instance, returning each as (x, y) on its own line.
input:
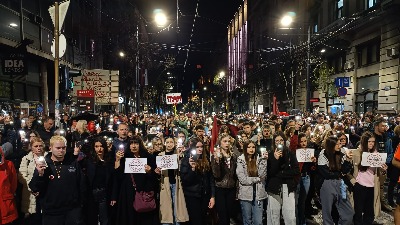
(144, 200)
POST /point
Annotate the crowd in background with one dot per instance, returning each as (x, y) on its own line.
(232, 169)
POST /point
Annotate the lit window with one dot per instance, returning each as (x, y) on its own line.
(339, 11)
(369, 3)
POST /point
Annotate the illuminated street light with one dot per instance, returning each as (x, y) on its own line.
(160, 18)
(121, 54)
(286, 20)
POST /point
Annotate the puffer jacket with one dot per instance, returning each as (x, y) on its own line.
(247, 184)
(25, 173)
(225, 177)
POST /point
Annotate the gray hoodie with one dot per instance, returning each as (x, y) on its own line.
(246, 183)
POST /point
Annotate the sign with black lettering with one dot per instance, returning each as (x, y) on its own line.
(15, 64)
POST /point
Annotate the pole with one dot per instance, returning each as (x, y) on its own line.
(202, 106)
(56, 63)
(137, 72)
(308, 71)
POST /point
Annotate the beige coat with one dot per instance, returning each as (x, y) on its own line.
(166, 211)
(377, 182)
(26, 169)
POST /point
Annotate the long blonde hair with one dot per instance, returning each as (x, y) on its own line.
(82, 124)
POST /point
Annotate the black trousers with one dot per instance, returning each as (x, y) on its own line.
(363, 205)
(197, 209)
(224, 202)
(98, 208)
(71, 217)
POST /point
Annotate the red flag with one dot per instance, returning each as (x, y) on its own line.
(214, 134)
(274, 106)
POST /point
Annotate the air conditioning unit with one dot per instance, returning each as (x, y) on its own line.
(391, 52)
(349, 66)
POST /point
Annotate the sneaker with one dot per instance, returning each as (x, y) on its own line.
(386, 207)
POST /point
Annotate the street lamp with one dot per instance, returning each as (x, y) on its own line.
(286, 21)
(160, 18)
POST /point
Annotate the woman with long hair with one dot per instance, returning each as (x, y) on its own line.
(252, 172)
(283, 168)
(130, 183)
(172, 200)
(29, 205)
(366, 182)
(198, 182)
(333, 166)
(223, 164)
(99, 171)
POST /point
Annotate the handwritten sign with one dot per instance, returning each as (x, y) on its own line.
(173, 98)
(167, 162)
(135, 165)
(304, 154)
(373, 159)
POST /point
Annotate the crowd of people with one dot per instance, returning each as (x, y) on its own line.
(232, 169)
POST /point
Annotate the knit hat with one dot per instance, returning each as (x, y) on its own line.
(7, 149)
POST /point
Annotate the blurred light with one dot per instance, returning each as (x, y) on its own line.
(323, 50)
(221, 74)
(168, 73)
(121, 54)
(160, 18)
(286, 20)
(13, 25)
(205, 88)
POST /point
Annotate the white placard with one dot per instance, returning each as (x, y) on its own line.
(373, 159)
(135, 165)
(260, 108)
(167, 162)
(304, 154)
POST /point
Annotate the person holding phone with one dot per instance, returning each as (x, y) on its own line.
(197, 182)
(223, 163)
(29, 206)
(283, 168)
(125, 190)
(252, 172)
(61, 186)
(333, 166)
(172, 200)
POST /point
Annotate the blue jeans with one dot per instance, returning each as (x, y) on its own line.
(172, 188)
(302, 191)
(252, 212)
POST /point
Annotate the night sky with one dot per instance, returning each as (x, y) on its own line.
(206, 34)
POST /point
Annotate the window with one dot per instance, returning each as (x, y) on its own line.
(368, 53)
(315, 24)
(369, 3)
(339, 9)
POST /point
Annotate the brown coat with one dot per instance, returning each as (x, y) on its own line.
(377, 182)
(166, 211)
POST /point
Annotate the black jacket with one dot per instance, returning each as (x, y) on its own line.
(282, 171)
(58, 195)
(196, 184)
(125, 193)
(224, 177)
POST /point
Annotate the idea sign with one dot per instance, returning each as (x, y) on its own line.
(173, 98)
